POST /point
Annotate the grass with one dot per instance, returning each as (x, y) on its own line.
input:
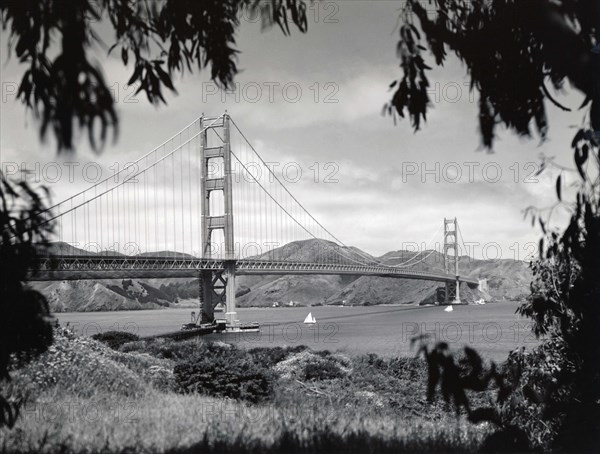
(171, 422)
(84, 396)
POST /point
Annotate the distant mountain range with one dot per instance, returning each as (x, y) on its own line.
(507, 280)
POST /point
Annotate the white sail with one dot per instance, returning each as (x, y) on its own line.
(449, 309)
(310, 319)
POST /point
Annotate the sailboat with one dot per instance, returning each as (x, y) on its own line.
(310, 319)
(449, 309)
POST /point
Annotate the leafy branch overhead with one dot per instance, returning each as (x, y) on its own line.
(66, 90)
(516, 53)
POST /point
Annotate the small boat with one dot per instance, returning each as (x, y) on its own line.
(449, 309)
(310, 319)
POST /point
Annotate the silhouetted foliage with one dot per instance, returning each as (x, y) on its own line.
(25, 328)
(513, 51)
(55, 38)
(565, 297)
(561, 378)
(457, 377)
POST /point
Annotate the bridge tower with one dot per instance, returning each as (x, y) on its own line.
(217, 286)
(451, 244)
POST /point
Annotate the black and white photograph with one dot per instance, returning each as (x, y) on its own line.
(299, 226)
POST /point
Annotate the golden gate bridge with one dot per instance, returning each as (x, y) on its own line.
(205, 204)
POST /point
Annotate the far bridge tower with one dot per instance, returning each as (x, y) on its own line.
(451, 261)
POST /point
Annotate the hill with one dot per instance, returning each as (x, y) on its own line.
(507, 280)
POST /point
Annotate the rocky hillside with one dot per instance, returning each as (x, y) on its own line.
(105, 295)
(507, 279)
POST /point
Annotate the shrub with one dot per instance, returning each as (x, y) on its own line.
(154, 371)
(270, 356)
(322, 370)
(134, 346)
(114, 339)
(161, 378)
(83, 366)
(405, 368)
(539, 377)
(234, 373)
(80, 366)
(177, 350)
(308, 365)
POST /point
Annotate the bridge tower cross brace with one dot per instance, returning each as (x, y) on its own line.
(451, 244)
(217, 286)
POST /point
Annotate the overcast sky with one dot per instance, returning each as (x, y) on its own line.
(392, 186)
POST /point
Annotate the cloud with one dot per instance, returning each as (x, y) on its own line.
(389, 185)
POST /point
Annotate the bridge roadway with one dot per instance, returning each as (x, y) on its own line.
(75, 267)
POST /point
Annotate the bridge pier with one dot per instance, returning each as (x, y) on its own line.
(457, 293)
(450, 293)
(231, 313)
(218, 287)
(212, 292)
(483, 285)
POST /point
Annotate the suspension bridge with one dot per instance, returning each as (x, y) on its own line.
(205, 204)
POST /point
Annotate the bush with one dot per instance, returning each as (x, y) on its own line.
(270, 356)
(404, 368)
(308, 365)
(114, 339)
(154, 371)
(80, 366)
(539, 377)
(164, 348)
(322, 370)
(232, 373)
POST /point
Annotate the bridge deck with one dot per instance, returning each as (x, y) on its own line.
(75, 267)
